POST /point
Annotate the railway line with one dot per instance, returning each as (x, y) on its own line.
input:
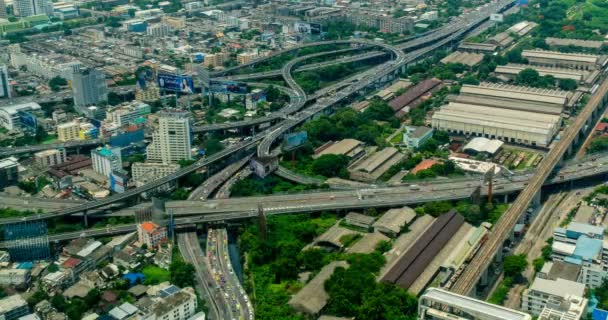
(502, 229)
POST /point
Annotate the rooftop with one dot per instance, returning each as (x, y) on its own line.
(559, 287)
(577, 57)
(312, 298)
(149, 226)
(11, 302)
(587, 248)
(463, 302)
(14, 108)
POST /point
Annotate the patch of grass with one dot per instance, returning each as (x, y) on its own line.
(348, 239)
(155, 275)
(500, 294)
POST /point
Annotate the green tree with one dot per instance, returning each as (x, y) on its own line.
(57, 82)
(514, 265)
(181, 273)
(568, 84)
(330, 165)
(528, 77)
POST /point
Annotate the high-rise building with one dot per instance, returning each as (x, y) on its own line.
(9, 172)
(5, 87)
(89, 87)
(26, 8)
(105, 160)
(3, 14)
(171, 142)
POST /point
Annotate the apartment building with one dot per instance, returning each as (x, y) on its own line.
(171, 142)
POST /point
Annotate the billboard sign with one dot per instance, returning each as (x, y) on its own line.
(294, 140)
(307, 28)
(176, 83)
(227, 87)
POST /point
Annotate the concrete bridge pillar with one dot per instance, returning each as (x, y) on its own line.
(483, 280)
(499, 255)
(85, 215)
(506, 198)
(536, 200)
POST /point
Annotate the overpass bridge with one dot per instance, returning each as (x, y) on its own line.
(468, 279)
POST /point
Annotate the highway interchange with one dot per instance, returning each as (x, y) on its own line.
(226, 294)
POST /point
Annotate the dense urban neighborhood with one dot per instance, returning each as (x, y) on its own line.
(307, 159)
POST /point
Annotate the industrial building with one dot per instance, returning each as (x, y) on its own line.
(351, 148)
(469, 59)
(511, 70)
(522, 28)
(393, 220)
(372, 166)
(441, 304)
(508, 125)
(482, 48)
(406, 270)
(587, 44)
(313, 297)
(566, 60)
(509, 113)
(413, 96)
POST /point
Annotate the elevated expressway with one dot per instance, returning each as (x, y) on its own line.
(267, 137)
(466, 282)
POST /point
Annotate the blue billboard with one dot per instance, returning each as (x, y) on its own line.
(227, 87)
(294, 140)
(176, 83)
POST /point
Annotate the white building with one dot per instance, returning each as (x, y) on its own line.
(49, 158)
(572, 308)
(105, 160)
(178, 306)
(171, 142)
(439, 304)
(127, 113)
(545, 292)
(14, 277)
(47, 66)
(158, 30)
(145, 172)
(10, 117)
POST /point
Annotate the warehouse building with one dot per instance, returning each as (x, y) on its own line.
(522, 28)
(508, 125)
(351, 148)
(513, 97)
(313, 297)
(566, 60)
(415, 260)
(469, 59)
(371, 167)
(511, 70)
(587, 44)
(393, 221)
(410, 99)
(478, 47)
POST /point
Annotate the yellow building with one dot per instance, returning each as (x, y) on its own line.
(68, 131)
